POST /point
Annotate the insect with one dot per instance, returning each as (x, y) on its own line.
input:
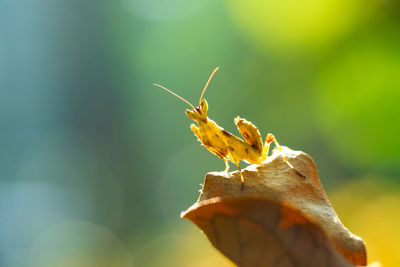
(226, 145)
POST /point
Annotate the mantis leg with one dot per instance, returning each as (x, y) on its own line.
(265, 150)
(271, 138)
(241, 175)
(226, 165)
(196, 131)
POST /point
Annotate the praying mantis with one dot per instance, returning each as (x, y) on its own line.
(226, 145)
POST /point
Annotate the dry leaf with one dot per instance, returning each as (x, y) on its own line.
(279, 219)
(260, 232)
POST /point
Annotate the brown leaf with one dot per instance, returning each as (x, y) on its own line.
(260, 232)
(279, 219)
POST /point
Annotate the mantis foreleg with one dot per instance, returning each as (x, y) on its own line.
(271, 138)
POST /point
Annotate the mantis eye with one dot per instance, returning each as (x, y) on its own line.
(204, 105)
(190, 114)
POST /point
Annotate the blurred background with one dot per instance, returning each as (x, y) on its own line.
(96, 163)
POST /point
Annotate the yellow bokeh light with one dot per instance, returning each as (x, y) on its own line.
(291, 25)
(182, 245)
(369, 208)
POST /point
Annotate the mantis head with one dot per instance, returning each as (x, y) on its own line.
(197, 113)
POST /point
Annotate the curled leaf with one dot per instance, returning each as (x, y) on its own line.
(260, 232)
(279, 219)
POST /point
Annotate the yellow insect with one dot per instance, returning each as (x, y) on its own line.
(226, 145)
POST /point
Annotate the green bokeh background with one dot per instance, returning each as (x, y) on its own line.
(96, 163)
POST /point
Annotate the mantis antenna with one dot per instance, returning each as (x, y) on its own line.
(178, 96)
(209, 79)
